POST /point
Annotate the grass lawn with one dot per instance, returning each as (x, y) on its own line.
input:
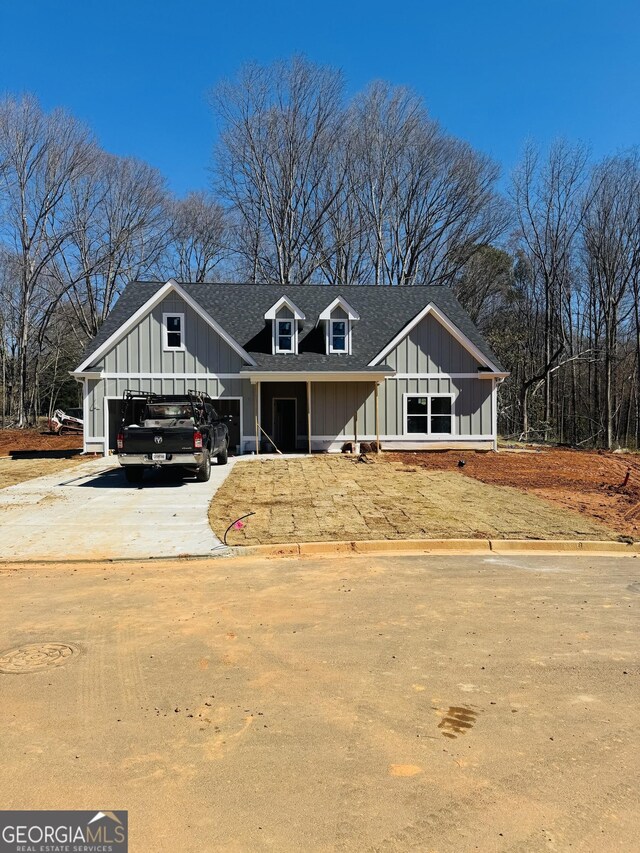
(323, 498)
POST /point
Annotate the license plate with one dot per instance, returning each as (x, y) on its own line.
(158, 457)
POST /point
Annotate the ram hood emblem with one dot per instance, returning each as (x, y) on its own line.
(157, 439)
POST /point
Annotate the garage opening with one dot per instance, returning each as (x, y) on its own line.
(230, 408)
(116, 413)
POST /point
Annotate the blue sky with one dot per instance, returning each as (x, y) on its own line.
(493, 72)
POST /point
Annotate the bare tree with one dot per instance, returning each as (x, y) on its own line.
(612, 257)
(281, 125)
(197, 238)
(428, 200)
(549, 201)
(41, 155)
(114, 227)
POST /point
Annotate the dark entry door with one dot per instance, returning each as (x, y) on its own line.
(284, 423)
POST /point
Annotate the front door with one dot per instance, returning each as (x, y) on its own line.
(284, 423)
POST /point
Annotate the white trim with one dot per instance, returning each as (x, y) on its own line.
(436, 438)
(347, 336)
(431, 435)
(275, 325)
(442, 376)
(85, 412)
(448, 325)
(284, 301)
(320, 376)
(165, 332)
(206, 376)
(171, 286)
(86, 374)
(494, 413)
(339, 301)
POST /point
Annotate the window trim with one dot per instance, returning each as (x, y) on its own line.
(294, 336)
(347, 336)
(165, 332)
(429, 396)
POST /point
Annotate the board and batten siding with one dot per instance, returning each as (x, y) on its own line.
(141, 350)
(336, 407)
(430, 348)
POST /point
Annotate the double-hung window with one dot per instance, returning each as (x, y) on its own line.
(338, 336)
(285, 336)
(173, 331)
(428, 414)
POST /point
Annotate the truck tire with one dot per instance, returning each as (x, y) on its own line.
(134, 473)
(223, 456)
(204, 471)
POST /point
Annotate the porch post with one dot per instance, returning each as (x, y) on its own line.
(258, 402)
(377, 419)
(309, 415)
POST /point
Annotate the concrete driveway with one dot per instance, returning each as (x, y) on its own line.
(383, 704)
(90, 512)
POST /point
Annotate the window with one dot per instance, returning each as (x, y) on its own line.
(429, 414)
(285, 336)
(173, 331)
(338, 336)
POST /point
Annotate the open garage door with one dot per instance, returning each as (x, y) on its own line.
(116, 413)
(230, 408)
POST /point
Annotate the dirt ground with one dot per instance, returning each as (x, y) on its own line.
(394, 704)
(29, 453)
(14, 441)
(588, 482)
(334, 497)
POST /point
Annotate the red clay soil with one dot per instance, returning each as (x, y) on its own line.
(590, 482)
(34, 440)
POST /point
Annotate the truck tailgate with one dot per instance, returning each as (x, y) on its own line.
(158, 440)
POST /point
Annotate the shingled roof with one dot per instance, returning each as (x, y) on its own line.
(240, 309)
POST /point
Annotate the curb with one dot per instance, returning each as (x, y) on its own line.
(441, 546)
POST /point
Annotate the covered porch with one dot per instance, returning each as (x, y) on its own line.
(306, 413)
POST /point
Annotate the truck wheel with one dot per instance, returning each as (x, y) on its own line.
(204, 471)
(134, 473)
(223, 455)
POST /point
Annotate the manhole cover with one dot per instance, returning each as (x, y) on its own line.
(33, 657)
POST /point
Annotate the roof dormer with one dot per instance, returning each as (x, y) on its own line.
(338, 318)
(286, 319)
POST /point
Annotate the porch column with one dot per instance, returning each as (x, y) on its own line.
(377, 418)
(258, 404)
(309, 415)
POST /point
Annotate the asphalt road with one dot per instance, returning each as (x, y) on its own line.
(346, 704)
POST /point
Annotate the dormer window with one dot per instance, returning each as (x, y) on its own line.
(284, 336)
(286, 318)
(338, 319)
(173, 331)
(338, 336)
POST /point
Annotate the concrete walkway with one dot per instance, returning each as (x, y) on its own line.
(89, 511)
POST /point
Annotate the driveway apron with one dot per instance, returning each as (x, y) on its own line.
(91, 512)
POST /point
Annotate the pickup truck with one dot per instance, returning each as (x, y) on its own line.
(170, 430)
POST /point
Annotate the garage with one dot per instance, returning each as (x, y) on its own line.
(230, 408)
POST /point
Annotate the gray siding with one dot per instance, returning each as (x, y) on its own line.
(429, 348)
(141, 350)
(334, 404)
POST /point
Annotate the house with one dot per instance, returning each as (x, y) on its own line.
(312, 366)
